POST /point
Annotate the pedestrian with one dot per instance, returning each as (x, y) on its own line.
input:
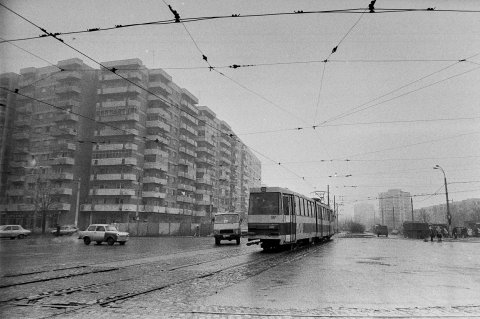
(432, 234)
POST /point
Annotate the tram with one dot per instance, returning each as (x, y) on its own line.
(279, 217)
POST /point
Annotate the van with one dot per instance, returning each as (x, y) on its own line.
(226, 226)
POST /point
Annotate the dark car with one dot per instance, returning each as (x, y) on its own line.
(380, 230)
(66, 230)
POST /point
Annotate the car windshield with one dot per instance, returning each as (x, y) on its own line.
(226, 219)
(2, 227)
(111, 228)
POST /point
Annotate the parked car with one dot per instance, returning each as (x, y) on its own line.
(103, 232)
(13, 231)
(66, 230)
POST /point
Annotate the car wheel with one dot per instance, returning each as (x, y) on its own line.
(110, 241)
(217, 241)
(238, 241)
(122, 242)
(21, 236)
(86, 240)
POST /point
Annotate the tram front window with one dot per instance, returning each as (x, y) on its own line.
(264, 204)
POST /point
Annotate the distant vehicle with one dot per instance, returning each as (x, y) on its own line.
(66, 230)
(279, 217)
(103, 232)
(227, 226)
(380, 230)
(13, 231)
(416, 230)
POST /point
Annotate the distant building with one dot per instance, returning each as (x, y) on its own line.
(462, 212)
(151, 155)
(395, 207)
(364, 213)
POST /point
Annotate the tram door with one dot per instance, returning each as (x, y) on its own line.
(289, 218)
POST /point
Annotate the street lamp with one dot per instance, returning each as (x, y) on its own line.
(449, 217)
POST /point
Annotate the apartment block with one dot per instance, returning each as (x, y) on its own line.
(49, 145)
(123, 144)
(395, 207)
(9, 82)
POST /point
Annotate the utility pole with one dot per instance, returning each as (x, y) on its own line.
(393, 211)
(383, 220)
(411, 204)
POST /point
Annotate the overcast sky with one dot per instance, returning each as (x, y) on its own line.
(393, 101)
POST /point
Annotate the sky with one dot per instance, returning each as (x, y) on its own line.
(399, 95)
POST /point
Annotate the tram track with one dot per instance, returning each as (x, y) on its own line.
(71, 306)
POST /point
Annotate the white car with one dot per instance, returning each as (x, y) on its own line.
(103, 232)
(13, 231)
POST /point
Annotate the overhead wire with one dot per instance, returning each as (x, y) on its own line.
(239, 16)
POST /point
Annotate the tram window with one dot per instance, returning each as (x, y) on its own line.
(286, 205)
(297, 205)
(264, 204)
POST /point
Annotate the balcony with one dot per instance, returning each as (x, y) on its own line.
(153, 194)
(159, 124)
(62, 161)
(204, 192)
(16, 178)
(61, 191)
(156, 151)
(69, 75)
(187, 175)
(154, 209)
(207, 150)
(132, 75)
(115, 161)
(154, 180)
(120, 90)
(116, 147)
(68, 89)
(112, 192)
(190, 108)
(205, 181)
(225, 160)
(186, 161)
(114, 177)
(189, 118)
(67, 103)
(61, 176)
(185, 199)
(188, 140)
(15, 192)
(22, 122)
(205, 160)
(66, 147)
(189, 188)
(203, 202)
(156, 165)
(64, 132)
(21, 136)
(161, 85)
(61, 206)
(187, 151)
(118, 118)
(67, 116)
(108, 207)
(159, 111)
(157, 137)
(117, 132)
(189, 129)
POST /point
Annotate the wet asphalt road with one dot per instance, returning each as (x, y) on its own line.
(191, 277)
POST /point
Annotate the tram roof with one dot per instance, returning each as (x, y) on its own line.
(276, 189)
